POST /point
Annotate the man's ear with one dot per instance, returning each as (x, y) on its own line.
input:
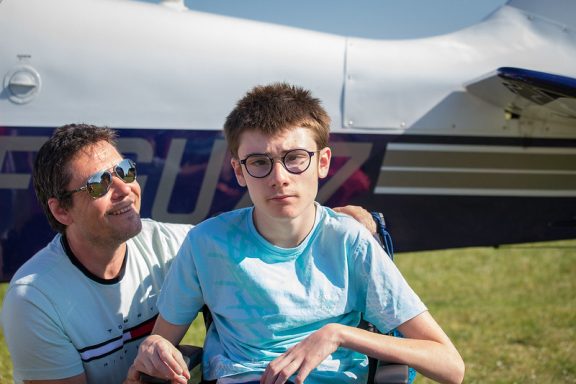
(324, 156)
(60, 213)
(237, 167)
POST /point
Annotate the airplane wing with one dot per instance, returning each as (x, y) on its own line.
(516, 89)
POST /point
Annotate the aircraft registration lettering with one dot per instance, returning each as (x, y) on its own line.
(162, 198)
(143, 150)
(357, 154)
(167, 182)
(217, 165)
(8, 144)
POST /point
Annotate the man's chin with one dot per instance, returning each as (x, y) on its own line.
(138, 226)
(131, 230)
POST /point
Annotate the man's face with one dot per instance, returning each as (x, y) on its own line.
(281, 194)
(112, 218)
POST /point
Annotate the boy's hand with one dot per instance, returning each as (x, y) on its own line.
(360, 214)
(159, 358)
(303, 357)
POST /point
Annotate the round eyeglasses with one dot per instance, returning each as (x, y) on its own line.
(99, 183)
(296, 161)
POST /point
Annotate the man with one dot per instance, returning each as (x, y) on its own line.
(76, 311)
(287, 280)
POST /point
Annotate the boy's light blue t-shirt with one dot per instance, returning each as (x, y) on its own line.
(265, 299)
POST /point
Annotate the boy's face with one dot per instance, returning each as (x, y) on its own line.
(281, 194)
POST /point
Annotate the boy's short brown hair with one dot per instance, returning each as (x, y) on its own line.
(271, 109)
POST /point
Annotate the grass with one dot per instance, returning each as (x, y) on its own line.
(511, 311)
(5, 363)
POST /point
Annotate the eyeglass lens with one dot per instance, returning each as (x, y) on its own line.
(295, 161)
(99, 183)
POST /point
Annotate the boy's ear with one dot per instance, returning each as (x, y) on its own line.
(60, 213)
(238, 171)
(324, 156)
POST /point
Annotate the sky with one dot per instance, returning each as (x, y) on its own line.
(379, 19)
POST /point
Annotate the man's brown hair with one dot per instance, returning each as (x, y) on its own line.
(51, 174)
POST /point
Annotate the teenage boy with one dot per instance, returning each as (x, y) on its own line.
(76, 312)
(287, 280)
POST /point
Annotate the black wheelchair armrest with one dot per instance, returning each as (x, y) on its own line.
(392, 374)
(192, 356)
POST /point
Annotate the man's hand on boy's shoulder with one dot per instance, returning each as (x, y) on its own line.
(360, 214)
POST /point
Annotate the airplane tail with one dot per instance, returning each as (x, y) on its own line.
(515, 88)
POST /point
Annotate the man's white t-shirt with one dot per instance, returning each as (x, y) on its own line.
(60, 320)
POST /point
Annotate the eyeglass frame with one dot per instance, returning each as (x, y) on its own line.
(111, 171)
(282, 161)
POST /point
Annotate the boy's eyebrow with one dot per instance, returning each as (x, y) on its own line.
(283, 152)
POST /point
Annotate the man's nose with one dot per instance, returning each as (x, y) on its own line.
(118, 186)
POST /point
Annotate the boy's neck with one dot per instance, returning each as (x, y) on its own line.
(285, 232)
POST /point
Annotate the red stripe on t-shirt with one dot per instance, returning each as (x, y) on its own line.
(143, 329)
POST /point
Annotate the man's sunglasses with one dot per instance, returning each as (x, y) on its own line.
(98, 184)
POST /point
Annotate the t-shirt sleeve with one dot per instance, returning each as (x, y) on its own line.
(181, 297)
(386, 299)
(167, 236)
(38, 346)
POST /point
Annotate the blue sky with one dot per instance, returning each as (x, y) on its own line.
(393, 19)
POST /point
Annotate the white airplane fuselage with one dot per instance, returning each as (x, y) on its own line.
(414, 134)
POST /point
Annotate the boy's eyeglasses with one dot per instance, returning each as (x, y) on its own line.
(99, 183)
(296, 161)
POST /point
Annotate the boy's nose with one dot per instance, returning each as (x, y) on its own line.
(279, 174)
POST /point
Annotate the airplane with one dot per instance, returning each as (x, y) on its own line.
(462, 139)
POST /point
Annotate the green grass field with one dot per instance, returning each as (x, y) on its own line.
(511, 311)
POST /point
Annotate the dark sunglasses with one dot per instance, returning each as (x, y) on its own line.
(98, 184)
